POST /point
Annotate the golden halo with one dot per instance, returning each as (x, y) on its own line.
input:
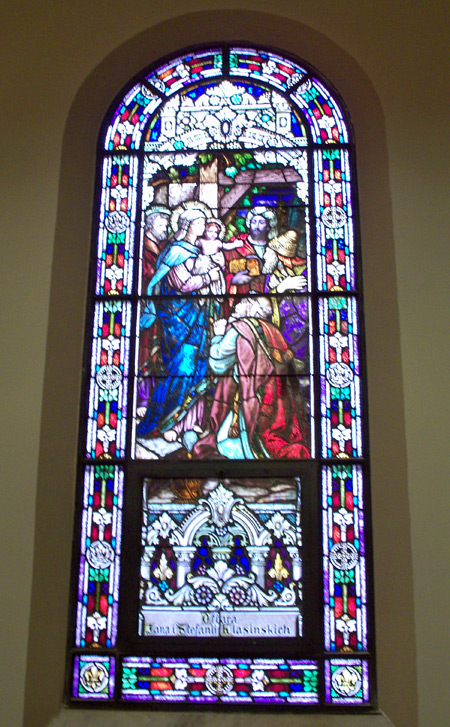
(189, 205)
(220, 225)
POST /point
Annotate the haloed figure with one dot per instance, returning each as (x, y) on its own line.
(245, 263)
(212, 246)
(156, 233)
(176, 406)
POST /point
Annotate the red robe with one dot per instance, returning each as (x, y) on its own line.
(246, 250)
(148, 336)
(273, 416)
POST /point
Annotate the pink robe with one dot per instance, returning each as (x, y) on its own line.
(272, 416)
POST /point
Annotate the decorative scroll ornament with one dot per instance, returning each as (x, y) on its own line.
(346, 681)
(109, 377)
(334, 217)
(220, 503)
(94, 677)
(281, 528)
(100, 554)
(219, 680)
(220, 583)
(226, 116)
(117, 221)
(222, 587)
(344, 556)
(160, 529)
(339, 375)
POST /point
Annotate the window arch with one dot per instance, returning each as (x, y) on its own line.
(224, 409)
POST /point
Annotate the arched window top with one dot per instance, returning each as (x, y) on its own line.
(224, 417)
(322, 111)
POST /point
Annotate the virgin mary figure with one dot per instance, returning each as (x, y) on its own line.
(181, 315)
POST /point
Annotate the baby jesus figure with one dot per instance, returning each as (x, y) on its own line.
(212, 247)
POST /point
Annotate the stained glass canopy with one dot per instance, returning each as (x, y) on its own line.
(222, 518)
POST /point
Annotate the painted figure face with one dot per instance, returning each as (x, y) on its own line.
(212, 232)
(242, 308)
(159, 227)
(197, 226)
(261, 308)
(259, 227)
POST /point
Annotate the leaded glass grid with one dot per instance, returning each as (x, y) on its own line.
(223, 522)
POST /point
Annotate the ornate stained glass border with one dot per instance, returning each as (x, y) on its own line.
(311, 140)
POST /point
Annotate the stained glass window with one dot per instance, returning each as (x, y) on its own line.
(222, 523)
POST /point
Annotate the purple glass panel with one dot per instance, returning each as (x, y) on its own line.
(347, 681)
(265, 66)
(321, 111)
(339, 378)
(130, 119)
(117, 216)
(93, 677)
(344, 563)
(185, 70)
(100, 547)
(109, 380)
(334, 221)
(239, 681)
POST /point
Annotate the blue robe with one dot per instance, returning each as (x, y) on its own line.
(183, 332)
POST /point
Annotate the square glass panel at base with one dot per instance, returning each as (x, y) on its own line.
(347, 681)
(93, 677)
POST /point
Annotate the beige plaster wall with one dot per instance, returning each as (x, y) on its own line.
(389, 61)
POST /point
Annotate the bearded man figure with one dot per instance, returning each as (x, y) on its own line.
(245, 263)
(156, 233)
(258, 410)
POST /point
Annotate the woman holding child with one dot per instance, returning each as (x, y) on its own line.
(176, 405)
